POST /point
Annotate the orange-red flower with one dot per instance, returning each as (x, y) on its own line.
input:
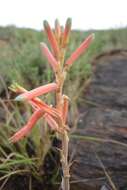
(37, 92)
(66, 33)
(52, 39)
(54, 64)
(40, 108)
(35, 102)
(74, 56)
(57, 30)
(28, 127)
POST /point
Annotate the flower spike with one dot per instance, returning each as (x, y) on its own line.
(52, 39)
(28, 127)
(37, 92)
(49, 56)
(55, 116)
(79, 50)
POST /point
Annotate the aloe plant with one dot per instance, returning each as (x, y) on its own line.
(55, 116)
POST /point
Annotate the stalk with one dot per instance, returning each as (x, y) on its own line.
(60, 77)
(64, 160)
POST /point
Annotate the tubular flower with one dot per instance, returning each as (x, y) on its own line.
(57, 30)
(49, 56)
(20, 90)
(36, 102)
(66, 33)
(40, 109)
(79, 50)
(37, 92)
(28, 127)
(52, 39)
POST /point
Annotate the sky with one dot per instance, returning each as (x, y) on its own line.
(85, 14)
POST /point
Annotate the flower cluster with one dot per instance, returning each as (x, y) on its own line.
(55, 116)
